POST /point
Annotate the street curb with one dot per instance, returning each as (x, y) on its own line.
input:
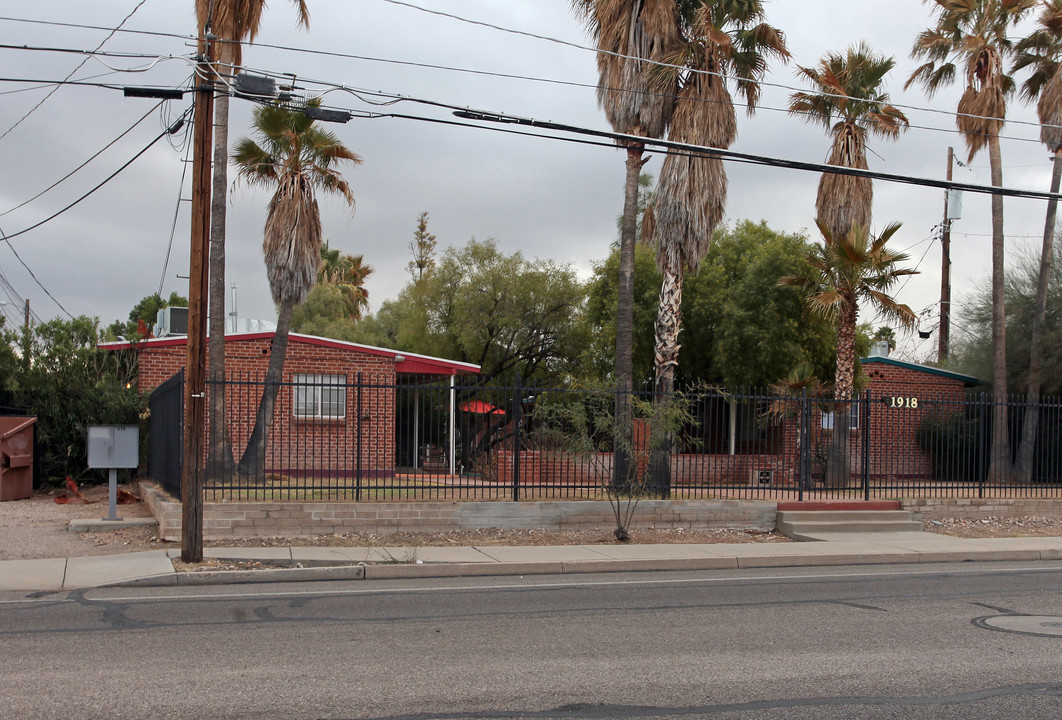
(406, 571)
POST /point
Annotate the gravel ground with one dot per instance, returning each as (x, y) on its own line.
(37, 528)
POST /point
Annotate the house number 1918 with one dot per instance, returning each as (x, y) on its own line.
(897, 401)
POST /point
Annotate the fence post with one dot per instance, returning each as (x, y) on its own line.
(517, 407)
(866, 444)
(804, 443)
(357, 425)
(986, 435)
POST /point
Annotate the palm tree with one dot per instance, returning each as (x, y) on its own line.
(974, 33)
(347, 273)
(846, 270)
(722, 39)
(632, 36)
(298, 158)
(233, 22)
(848, 88)
(1041, 52)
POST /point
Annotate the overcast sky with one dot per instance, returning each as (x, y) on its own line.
(544, 197)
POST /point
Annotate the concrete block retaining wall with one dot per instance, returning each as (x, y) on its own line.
(979, 508)
(265, 519)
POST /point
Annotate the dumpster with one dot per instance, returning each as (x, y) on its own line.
(16, 457)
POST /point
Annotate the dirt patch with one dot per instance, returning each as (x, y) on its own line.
(37, 528)
(996, 527)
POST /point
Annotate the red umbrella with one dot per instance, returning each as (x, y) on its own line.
(481, 408)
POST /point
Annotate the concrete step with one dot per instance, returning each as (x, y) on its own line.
(842, 515)
(806, 524)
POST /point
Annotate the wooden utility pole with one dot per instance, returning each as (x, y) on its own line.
(945, 275)
(195, 365)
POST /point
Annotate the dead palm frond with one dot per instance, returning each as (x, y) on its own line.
(849, 91)
(972, 34)
(298, 157)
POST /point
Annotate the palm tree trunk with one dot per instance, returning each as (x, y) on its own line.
(999, 470)
(838, 467)
(252, 464)
(1024, 464)
(668, 325)
(621, 469)
(219, 459)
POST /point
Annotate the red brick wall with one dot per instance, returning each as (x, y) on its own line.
(300, 444)
(894, 451)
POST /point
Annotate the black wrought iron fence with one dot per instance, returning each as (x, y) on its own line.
(367, 438)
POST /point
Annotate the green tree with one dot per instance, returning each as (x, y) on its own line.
(974, 350)
(975, 33)
(503, 312)
(145, 312)
(297, 157)
(847, 270)
(740, 327)
(848, 88)
(70, 385)
(422, 248)
(1041, 53)
(347, 273)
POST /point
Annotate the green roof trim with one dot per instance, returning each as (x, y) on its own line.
(969, 380)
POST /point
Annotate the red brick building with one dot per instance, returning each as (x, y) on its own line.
(336, 397)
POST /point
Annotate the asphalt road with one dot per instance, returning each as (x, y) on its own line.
(861, 642)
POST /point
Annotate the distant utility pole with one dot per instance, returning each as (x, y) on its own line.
(195, 364)
(945, 274)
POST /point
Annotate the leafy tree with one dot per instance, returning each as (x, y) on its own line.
(347, 273)
(423, 249)
(975, 33)
(325, 313)
(297, 157)
(143, 316)
(740, 327)
(885, 334)
(70, 385)
(1041, 52)
(503, 312)
(974, 352)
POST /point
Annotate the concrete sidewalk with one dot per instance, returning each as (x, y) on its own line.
(288, 564)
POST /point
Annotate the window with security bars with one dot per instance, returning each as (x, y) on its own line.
(320, 396)
(853, 417)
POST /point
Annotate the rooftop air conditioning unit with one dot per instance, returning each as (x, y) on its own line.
(761, 477)
(171, 321)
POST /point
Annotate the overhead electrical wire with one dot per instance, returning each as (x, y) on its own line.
(658, 63)
(79, 66)
(176, 214)
(176, 128)
(79, 167)
(33, 275)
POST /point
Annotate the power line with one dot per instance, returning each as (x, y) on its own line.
(684, 68)
(106, 180)
(79, 167)
(33, 275)
(79, 66)
(670, 147)
(176, 213)
(83, 26)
